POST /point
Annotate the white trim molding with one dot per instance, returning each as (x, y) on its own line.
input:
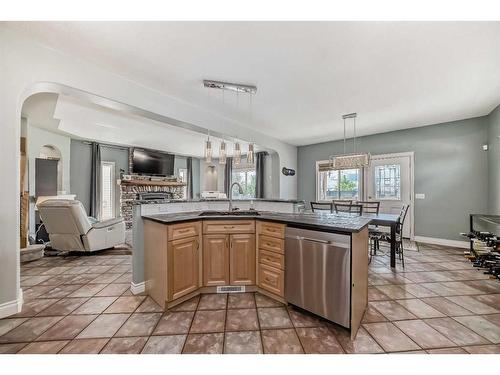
(12, 307)
(137, 288)
(443, 241)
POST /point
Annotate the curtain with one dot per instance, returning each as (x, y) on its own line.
(259, 174)
(95, 181)
(189, 178)
(228, 173)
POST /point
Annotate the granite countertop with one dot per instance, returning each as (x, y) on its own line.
(315, 221)
(161, 201)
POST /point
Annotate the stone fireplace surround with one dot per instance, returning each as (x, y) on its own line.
(131, 185)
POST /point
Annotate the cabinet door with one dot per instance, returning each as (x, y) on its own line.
(242, 259)
(183, 267)
(215, 259)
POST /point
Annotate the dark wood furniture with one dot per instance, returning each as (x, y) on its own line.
(387, 220)
(370, 207)
(321, 206)
(349, 208)
(397, 236)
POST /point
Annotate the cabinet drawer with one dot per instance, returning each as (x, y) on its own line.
(271, 279)
(271, 229)
(272, 259)
(229, 226)
(272, 244)
(183, 230)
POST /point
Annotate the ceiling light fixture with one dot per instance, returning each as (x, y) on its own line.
(222, 152)
(208, 149)
(237, 153)
(250, 154)
(238, 87)
(354, 160)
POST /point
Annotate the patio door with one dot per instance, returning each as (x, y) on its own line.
(389, 179)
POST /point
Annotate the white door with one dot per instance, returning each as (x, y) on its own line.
(390, 181)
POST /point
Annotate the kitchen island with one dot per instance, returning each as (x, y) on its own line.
(188, 253)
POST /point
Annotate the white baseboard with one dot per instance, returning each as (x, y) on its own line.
(443, 241)
(12, 307)
(137, 288)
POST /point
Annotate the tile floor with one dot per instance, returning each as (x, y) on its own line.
(437, 304)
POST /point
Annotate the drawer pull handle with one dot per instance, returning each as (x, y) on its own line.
(228, 226)
(269, 244)
(184, 230)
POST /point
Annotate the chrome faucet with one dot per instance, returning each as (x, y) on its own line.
(240, 190)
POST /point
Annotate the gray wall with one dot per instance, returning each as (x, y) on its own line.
(81, 166)
(494, 161)
(450, 168)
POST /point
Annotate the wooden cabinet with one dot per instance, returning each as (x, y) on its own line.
(272, 259)
(271, 248)
(272, 279)
(172, 261)
(272, 244)
(228, 226)
(242, 259)
(183, 230)
(229, 252)
(271, 229)
(155, 261)
(215, 259)
(183, 259)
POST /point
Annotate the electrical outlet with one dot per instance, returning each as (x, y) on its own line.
(419, 196)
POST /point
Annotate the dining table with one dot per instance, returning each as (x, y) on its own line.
(386, 220)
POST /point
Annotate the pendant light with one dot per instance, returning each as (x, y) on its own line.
(222, 152)
(354, 160)
(208, 149)
(237, 153)
(250, 158)
(250, 154)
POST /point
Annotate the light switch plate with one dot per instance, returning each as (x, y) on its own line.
(420, 196)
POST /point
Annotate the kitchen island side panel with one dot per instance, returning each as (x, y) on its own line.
(359, 278)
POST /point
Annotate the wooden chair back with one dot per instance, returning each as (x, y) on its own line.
(370, 207)
(321, 206)
(350, 208)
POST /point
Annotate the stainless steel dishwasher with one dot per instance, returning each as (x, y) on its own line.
(318, 273)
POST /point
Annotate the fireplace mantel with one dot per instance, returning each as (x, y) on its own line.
(152, 183)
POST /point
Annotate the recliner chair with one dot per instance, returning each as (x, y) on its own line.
(70, 229)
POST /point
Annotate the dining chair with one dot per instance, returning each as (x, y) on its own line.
(321, 206)
(374, 234)
(350, 208)
(370, 207)
(342, 201)
(399, 233)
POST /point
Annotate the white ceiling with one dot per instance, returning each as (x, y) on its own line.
(395, 75)
(77, 119)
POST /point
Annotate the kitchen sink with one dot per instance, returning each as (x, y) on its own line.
(230, 213)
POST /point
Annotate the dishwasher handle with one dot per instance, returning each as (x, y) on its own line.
(300, 238)
(316, 240)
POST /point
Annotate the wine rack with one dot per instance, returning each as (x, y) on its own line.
(484, 237)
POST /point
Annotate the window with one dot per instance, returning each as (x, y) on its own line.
(338, 184)
(388, 182)
(247, 179)
(107, 190)
(183, 172)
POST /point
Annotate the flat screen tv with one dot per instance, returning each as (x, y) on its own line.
(154, 163)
